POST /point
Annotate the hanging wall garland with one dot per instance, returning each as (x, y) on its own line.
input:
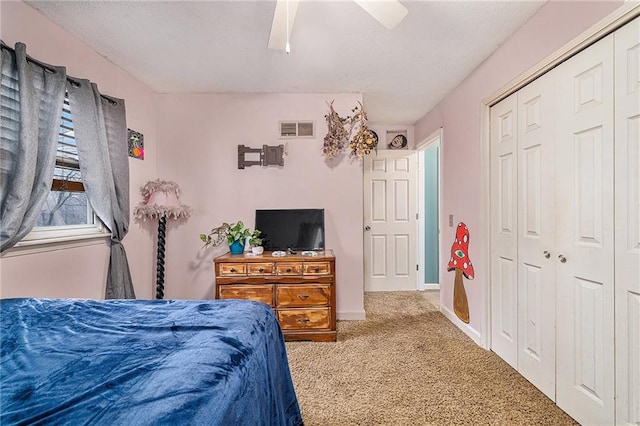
(340, 130)
(337, 136)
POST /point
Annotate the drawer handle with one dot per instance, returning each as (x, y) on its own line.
(261, 270)
(303, 320)
(317, 269)
(288, 269)
(303, 296)
(232, 270)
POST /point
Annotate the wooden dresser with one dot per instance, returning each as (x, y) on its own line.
(300, 289)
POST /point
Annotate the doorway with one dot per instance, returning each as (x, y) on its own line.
(429, 212)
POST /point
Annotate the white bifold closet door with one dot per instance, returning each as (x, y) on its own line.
(504, 230)
(627, 211)
(536, 233)
(584, 251)
(523, 199)
(565, 231)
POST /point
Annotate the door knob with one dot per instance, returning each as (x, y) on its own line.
(546, 254)
(367, 228)
(562, 259)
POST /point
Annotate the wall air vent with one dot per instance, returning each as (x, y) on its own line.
(297, 129)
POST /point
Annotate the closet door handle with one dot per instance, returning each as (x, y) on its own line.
(546, 254)
(562, 259)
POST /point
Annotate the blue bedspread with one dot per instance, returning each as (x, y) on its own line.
(135, 362)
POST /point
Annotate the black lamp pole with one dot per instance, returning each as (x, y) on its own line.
(162, 226)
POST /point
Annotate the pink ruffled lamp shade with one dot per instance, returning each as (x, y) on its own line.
(161, 199)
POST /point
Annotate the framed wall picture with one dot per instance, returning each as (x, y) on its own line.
(397, 139)
(136, 144)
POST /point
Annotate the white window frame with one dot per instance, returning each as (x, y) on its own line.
(60, 238)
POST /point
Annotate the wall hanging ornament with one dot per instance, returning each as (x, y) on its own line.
(462, 264)
(337, 135)
(160, 200)
(340, 131)
(135, 141)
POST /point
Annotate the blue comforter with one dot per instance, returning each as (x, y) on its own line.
(135, 362)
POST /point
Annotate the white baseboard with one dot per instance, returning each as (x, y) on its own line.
(429, 287)
(351, 315)
(468, 330)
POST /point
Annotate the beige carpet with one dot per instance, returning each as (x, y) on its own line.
(408, 365)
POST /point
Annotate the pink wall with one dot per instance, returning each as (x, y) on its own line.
(198, 137)
(557, 23)
(81, 272)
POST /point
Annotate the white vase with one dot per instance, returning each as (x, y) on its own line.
(257, 250)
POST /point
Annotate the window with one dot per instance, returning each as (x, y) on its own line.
(66, 214)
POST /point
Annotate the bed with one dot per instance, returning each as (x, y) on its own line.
(143, 362)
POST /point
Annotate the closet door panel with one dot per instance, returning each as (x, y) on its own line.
(504, 230)
(584, 235)
(536, 239)
(627, 208)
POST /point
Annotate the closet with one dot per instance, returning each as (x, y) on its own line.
(565, 231)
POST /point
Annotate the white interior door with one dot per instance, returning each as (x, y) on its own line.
(390, 220)
(536, 233)
(627, 208)
(584, 235)
(504, 230)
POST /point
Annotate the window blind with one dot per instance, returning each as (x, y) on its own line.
(9, 119)
(66, 175)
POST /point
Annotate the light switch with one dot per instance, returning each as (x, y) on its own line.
(450, 221)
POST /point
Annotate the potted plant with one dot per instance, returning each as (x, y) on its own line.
(256, 242)
(235, 234)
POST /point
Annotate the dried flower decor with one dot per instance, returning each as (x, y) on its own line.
(340, 130)
(337, 136)
(364, 141)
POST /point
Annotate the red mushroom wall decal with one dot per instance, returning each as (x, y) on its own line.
(462, 264)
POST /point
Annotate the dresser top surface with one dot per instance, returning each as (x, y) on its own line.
(267, 256)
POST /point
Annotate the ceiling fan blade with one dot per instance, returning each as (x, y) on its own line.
(388, 12)
(279, 28)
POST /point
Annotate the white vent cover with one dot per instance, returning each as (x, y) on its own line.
(298, 129)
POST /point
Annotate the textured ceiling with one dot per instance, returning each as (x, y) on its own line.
(221, 47)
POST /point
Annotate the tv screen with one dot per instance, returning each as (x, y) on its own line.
(296, 229)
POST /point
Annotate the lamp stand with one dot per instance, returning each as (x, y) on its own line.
(162, 226)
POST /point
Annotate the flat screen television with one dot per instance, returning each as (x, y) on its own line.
(295, 229)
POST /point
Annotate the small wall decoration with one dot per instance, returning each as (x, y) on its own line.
(462, 264)
(265, 156)
(136, 144)
(397, 139)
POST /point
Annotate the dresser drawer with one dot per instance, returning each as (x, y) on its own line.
(258, 293)
(304, 319)
(260, 268)
(232, 269)
(316, 268)
(303, 295)
(289, 268)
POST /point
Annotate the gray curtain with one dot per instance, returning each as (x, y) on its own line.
(101, 137)
(31, 101)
